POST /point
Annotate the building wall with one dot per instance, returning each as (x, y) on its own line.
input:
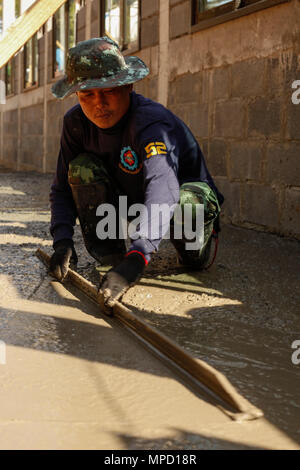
(10, 143)
(231, 83)
(149, 52)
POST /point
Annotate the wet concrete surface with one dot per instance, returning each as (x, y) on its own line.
(241, 317)
(74, 379)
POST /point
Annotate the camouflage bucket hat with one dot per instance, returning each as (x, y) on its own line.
(98, 63)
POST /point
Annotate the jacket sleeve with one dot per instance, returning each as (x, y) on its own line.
(161, 195)
(63, 210)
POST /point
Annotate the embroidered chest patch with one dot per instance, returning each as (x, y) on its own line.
(129, 161)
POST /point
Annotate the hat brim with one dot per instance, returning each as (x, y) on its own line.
(136, 70)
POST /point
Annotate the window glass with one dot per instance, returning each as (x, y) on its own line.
(132, 21)
(72, 24)
(1, 16)
(31, 62)
(28, 64)
(8, 78)
(59, 41)
(17, 8)
(64, 34)
(112, 19)
(204, 5)
(35, 59)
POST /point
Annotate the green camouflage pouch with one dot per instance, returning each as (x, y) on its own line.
(86, 168)
(92, 186)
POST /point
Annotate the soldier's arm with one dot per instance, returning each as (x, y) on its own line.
(161, 188)
(161, 194)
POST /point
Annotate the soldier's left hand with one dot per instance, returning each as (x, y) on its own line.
(118, 280)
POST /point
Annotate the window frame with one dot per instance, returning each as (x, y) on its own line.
(125, 48)
(213, 12)
(54, 28)
(34, 64)
(67, 23)
(206, 20)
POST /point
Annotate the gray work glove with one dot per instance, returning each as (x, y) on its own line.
(118, 280)
(64, 253)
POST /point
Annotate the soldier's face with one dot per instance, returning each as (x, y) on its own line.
(105, 106)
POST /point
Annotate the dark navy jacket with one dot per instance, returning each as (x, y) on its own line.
(149, 154)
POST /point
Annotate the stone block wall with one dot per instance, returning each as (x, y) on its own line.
(31, 150)
(149, 23)
(80, 25)
(148, 86)
(56, 110)
(95, 19)
(149, 52)
(236, 98)
(180, 17)
(10, 138)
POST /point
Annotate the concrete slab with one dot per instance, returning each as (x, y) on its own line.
(72, 379)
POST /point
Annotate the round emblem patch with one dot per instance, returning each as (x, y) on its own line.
(129, 161)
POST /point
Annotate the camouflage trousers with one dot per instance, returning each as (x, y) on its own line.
(92, 185)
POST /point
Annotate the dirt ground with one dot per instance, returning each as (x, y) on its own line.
(241, 316)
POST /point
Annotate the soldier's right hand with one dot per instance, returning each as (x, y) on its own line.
(64, 252)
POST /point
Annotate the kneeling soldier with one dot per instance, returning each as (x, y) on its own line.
(118, 143)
